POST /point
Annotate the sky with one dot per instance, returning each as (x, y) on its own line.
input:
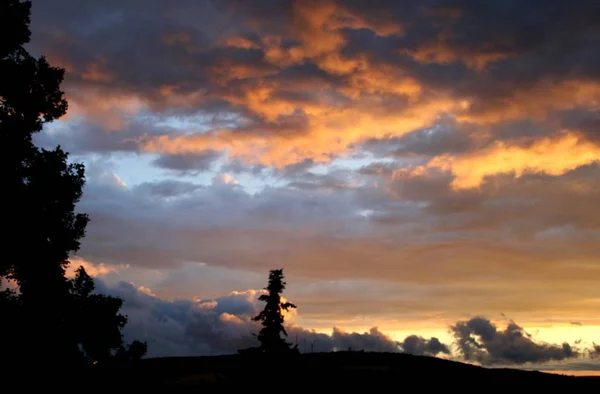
(426, 173)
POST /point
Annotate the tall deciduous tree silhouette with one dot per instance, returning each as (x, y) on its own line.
(271, 316)
(41, 190)
(30, 96)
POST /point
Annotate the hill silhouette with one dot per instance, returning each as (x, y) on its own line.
(338, 370)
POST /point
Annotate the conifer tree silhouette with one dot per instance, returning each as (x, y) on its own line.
(271, 316)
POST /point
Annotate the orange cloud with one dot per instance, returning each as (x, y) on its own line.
(238, 42)
(440, 53)
(109, 110)
(231, 319)
(382, 80)
(145, 290)
(91, 268)
(97, 72)
(550, 155)
(317, 25)
(330, 130)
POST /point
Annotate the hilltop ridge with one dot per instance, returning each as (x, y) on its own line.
(340, 370)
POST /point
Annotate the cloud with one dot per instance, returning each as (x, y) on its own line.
(340, 340)
(197, 162)
(445, 137)
(167, 188)
(219, 326)
(479, 340)
(222, 325)
(184, 327)
(420, 346)
(374, 340)
(97, 270)
(334, 180)
(224, 179)
(553, 156)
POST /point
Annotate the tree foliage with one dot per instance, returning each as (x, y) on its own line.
(49, 315)
(30, 96)
(132, 352)
(271, 317)
(97, 322)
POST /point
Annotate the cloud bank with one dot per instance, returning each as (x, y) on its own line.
(224, 325)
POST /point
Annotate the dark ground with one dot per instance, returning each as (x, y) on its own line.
(318, 371)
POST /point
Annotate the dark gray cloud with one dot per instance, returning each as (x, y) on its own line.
(519, 205)
(381, 168)
(116, 31)
(186, 163)
(420, 346)
(525, 36)
(444, 137)
(372, 341)
(82, 136)
(185, 327)
(339, 179)
(222, 325)
(167, 188)
(451, 137)
(219, 326)
(478, 339)
(584, 120)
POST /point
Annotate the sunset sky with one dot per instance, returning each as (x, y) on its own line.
(428, 168)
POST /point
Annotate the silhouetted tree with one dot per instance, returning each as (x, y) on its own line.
(51, 316)
(271, 316)
(96, 319)
(10, 316)
(132, 352)
(40, 188)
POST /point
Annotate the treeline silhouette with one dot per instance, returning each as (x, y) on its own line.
(48, 316)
